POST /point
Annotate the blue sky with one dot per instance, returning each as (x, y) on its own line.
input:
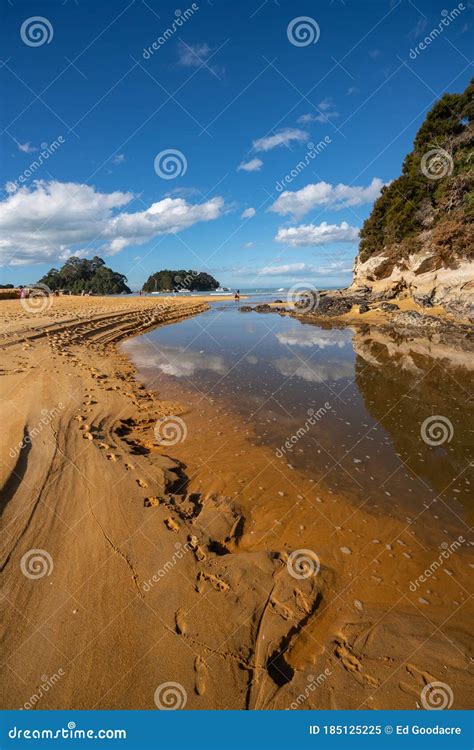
(244, 93)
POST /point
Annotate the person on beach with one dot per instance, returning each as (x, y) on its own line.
(237, 295)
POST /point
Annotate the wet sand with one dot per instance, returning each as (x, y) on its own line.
(188, 563)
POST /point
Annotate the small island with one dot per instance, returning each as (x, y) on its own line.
(79, 275)
(176, 281)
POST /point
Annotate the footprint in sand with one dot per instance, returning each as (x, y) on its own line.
(216, 583)
(199, 553)
(180, 620)
(151, 502)
(129, 467)
(141, 483)
(171, 524)
(352, 664)
(200, 669)
(112, 457)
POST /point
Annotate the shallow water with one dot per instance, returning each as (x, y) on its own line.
(344, 406)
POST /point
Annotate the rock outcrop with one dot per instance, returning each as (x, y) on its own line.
(419, 239)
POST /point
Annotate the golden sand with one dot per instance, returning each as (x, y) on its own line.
(158, 564)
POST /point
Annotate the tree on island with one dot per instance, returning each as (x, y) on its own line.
(81, 275)
(173, 281)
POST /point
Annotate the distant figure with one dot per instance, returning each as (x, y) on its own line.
(22, 292)
(237, 295)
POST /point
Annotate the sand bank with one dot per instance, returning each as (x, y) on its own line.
(128, 564)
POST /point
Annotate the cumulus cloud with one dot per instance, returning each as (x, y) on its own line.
(197, 55)
(254, 165)
(284, 270)
(249, 213)
(307, 235)
(193, 55)
(53, 220)
(177, 361)
(314, 372)
(314, 337)
(325, 111)
(296, 271)
(301, 201)
(282, 138)
(26, 148)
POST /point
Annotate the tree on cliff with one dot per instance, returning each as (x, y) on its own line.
(434, 194)
(79, 274)
(172, 281)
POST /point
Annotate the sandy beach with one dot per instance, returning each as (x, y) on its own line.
(128, 565)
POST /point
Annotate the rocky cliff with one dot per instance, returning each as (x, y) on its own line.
(419, 238)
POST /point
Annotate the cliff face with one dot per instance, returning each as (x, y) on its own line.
(419, 238)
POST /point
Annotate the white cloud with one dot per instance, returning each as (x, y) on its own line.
(193, 55)
(53, 220)
(196, 55)
(297, 270)
(254, 165)
(301, 201)
(314, 372)
(249, 213)
(177, 361)
(326, 112)
(309, 336)
(307, 235)
(286, 270)
(118, 159)
(26, 148)
(249, 244)
(282, 138)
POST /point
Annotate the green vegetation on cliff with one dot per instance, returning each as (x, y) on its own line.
(81, 275)
(433, 199)
(170, 281)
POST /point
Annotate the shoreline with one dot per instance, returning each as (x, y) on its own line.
(405, 313)
(156, 574)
